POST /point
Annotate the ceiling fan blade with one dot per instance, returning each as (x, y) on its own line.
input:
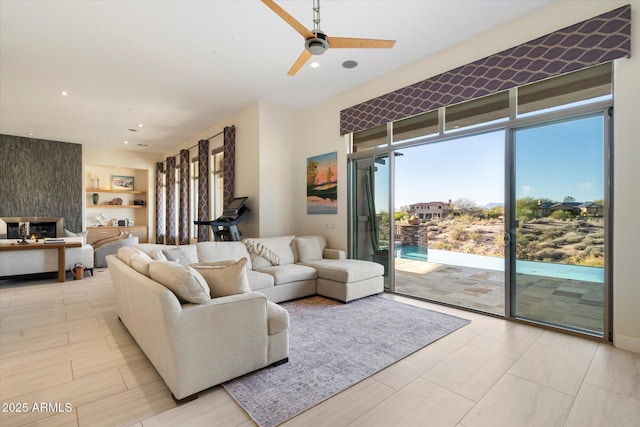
(345, 42)
(304, 32)
(304, 57)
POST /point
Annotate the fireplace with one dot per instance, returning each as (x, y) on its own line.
(38, 227)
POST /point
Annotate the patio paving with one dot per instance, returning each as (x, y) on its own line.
(573, 303)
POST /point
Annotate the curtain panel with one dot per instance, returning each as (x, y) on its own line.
(229, 164)
(170, 236)
(160, 220)
(591, 42)
(203, 189)
(183, 202)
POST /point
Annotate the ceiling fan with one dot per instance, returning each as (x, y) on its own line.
(316, 42)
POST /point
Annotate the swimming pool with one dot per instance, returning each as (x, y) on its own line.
(535, 268)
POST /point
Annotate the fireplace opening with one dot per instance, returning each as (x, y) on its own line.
(36, 227)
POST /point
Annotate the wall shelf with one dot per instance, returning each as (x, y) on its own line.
(107, 206)
(103, 190)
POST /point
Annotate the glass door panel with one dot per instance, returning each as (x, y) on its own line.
(449, 222)
(370, 210)
(559, 227)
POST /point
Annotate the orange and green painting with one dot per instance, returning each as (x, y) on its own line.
(322, 184)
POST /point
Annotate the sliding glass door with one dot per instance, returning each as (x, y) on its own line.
(370, 210)
(559, 224)
(449, 221)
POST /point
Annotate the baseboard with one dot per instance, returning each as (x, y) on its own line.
(627, 343)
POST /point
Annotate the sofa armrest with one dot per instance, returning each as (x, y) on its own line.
(333, 254)
(227, 335)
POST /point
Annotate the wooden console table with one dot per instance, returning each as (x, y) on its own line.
(5, 247)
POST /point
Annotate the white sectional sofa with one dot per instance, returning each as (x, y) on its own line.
(289, 267)
(45, 260)
(198, 336)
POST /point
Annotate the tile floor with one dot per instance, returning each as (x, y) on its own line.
(61, 343)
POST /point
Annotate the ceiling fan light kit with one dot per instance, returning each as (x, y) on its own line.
(316, 42)
(317, 45)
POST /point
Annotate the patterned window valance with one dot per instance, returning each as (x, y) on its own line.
(595, 41)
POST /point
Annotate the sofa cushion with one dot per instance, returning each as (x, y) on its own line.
(310, 248)
(277, 318)
(259, 281)
(347, 270)
(289, 273)
(279, 246)
(185, 282)
(141, 263)
(220, 251)
(187, 254)
(225, 278)
(128, 253)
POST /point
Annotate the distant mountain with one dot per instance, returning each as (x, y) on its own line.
(493, 205)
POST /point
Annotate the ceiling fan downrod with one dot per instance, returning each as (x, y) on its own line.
(319, 44)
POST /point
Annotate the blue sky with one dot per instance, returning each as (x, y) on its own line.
(471, 167)
(553, 161)
(564, 159)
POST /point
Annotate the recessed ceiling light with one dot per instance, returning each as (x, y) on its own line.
(64, 93)
(350, 64)
(139, 125)
(314, 65)
(29, 134)
(126, 142)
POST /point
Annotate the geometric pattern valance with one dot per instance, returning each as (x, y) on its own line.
(595, 41)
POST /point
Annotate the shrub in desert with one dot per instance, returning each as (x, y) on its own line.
(431, 235)
(550, 255)
(474, 235)
(445, 246)
(459, 233)
(587, 261)
(526, 249)
(594, 250)
(469, 248)
(561, 215)
(568, 239)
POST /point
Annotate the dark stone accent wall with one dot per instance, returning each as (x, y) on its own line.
(41, 178)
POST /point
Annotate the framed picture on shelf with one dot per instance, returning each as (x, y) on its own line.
(122, 183)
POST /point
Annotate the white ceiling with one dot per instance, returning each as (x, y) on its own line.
(179, 67)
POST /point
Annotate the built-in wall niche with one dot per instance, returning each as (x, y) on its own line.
(116, 196)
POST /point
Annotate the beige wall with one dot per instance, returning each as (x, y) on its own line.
(279, 134)
(320, 134)
(265, 135)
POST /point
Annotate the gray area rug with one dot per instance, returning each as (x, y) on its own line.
(333, 346)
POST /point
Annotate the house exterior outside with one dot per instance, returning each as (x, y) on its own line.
(429, 210)
(574, 208)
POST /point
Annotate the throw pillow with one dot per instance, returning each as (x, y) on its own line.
(309, 248)
(225, 278)
(82, 234)
(181, 255)
(185, 282)
(158, 255)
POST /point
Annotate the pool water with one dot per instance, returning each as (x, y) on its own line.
(535, 268)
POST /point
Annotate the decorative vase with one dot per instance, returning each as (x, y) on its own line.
(95, 197)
